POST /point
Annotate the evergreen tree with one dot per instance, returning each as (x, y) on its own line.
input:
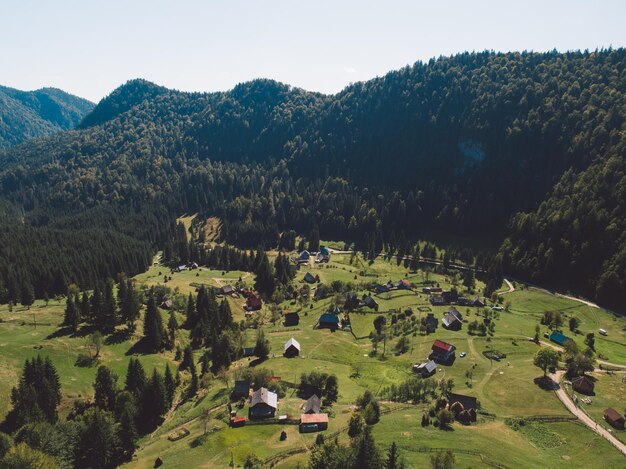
(98, 441)
(84, 307)
(135, 377)
(127, 432)
(71, 317)
(129, 303)
(170, 385)
(264, 282)
(153, 326)
(262, 347)
(393, 461)
(108, 317)
(366, 454)
(105, 388)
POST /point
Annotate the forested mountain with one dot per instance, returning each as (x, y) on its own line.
(29, 114)
(461, 144)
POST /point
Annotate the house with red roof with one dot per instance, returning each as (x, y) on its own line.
(442, 352)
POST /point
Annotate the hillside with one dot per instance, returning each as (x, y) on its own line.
(460, 144)
(25, 115)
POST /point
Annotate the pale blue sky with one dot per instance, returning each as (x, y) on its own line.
(90, 47)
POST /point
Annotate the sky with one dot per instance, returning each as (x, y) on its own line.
(90, 47)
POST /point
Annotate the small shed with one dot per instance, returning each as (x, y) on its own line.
(370, 302)
(291, 348)
(237, 422)
(329, 320)
(313, 405)
(309, 278)
(291, 319)
(558, 338)
(167, 304)
(310, 423)
(425, 369)
(241, 389)
(583, 384)
(614, 418)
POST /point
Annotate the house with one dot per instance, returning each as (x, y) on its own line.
(450, 296)
(309, 278)
(403, 284)
(263, 404)
(192, 266)
(180, 268)
(558, 338)
(436, 300)
(329, 320)
(614, 418)
(425, 369)
(321, 292)
(310, 423)
(253, 303)
(241, 389)
(442, 352)
(468, 402)
(452, 319)
(313, 405)
(322, 258)
(431, 290)
(291, 348)
(248, 351)
(324, 251)
(291, 319)
(583, 384)
(478, 302)
(237, 422)
(226, 290)
(303, 257)
(370, 302)
(167, 304)
(380, 288)
(431, 322)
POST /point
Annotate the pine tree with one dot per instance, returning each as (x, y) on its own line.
(264, 281)
(105, 388)
(84, 307)
(135, 377)
(153, 327)
(170, 385)
(187, 360)
(98, 441)
(108, 318)
(367, 455)
(127, 431)
(71, 317)
(262, 347)
(129, 304)
(191, 316)
(154, 400)
(392, 458)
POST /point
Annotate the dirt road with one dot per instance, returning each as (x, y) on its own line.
(561, 393)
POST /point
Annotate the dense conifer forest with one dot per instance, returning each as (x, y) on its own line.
(29, 114)
(524, 148)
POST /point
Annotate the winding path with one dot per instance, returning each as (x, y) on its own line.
(510, 285)
(561, 393)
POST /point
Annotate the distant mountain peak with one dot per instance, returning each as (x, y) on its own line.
(122, 99)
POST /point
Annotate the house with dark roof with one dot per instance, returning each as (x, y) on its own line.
(291, 319)
(450, 296)
(452, 319)
(437, 300)
(442, 352)
(425, 369)
(468, 402)
(614, 418)
(167, 304)
(478, 302)
(241, 389)
(226, 290)
(370, 302)
(558, 338)
(324, 251)
(248, 351)
(583, 384)
(381, 288)
(321, 292)
(309, 278)
(253, 303)
(303, 257)
(329, 320)
(263, 404)
(310, 423)
(291, 348)
(313, 405)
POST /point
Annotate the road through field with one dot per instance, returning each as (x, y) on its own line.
(561, 393)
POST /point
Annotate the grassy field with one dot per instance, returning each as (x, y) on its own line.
(504, 388)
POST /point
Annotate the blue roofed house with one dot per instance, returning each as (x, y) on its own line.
(329, 320)
(558, 338)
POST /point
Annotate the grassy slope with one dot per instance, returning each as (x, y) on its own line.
(504, 388)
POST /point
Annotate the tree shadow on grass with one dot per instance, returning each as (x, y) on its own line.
(119, 336)
(139, 348)
(546, 383)
(60, 332)
(256, 361)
